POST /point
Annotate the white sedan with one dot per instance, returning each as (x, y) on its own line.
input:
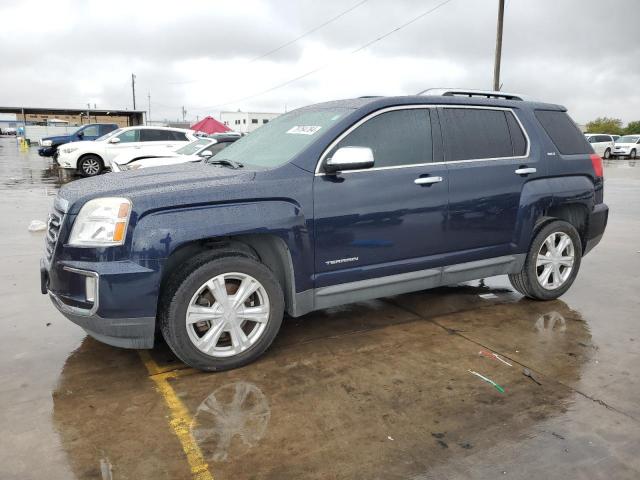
(91, 158)
(192, 152)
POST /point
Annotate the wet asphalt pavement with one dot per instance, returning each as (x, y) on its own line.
(381, 389)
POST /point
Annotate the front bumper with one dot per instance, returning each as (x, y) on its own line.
(596, 224)
(47, 151)
(66, 160)
(135, 331)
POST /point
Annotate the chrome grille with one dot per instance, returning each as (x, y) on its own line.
(53, 231)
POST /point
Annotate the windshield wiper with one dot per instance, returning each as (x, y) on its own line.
(224, 162)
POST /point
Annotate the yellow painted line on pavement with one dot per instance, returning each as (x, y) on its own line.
(180, 417)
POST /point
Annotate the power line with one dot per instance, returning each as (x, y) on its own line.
(307, 33)
(311, 72)
(290, 42)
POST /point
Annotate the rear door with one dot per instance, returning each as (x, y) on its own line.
(487, 153)
(387, 219)
(151, 137)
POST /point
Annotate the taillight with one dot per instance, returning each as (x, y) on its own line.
(596, 161)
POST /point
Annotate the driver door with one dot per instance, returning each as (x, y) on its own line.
(127, 140)
(388, 219)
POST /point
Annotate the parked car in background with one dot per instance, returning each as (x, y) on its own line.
(49, 145)
(601, 143)
(91, 158)
(325, 205)
(8, 131)
(195, 151)
(627, 146)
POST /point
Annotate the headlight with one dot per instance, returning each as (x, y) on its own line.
(69, 149)
(133, 166)
(101, 223)
(46, 143)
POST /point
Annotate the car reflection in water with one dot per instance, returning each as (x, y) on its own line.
(105, 407)
(231, 421)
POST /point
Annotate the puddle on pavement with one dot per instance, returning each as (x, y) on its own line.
(395, 400)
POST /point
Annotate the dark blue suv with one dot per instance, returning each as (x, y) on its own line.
(329, 204)
(49, 145)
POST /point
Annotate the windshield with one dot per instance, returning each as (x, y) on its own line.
(628, 139)
(193, 147)
(281, 139)
(109, 135)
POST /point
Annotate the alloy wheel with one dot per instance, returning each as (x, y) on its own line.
(228, 314)
(90, 166)
(555, 259)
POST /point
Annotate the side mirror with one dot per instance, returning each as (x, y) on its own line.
(81, 135)
(206, 154)
(114, 140)
(350, 158)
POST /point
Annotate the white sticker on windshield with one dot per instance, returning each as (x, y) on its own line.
(304, 129)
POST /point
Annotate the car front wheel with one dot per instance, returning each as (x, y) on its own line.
(90, 165)
(633, 154)
(552, 262)
(607, 153)
(221, 313)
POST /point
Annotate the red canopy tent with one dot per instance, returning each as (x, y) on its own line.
(209, 125)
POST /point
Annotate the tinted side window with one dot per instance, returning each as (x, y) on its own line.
(148, 135)
(473, 133)
(565, 135)
(216, 147)
(518, 140)
(399, 137)
(104, 129)
(178, 136)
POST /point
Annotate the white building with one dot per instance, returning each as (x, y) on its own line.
(245, 122)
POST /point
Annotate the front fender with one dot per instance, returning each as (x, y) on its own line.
(157, 235)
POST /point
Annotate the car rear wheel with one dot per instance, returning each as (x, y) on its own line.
(607, 154)
(633, 154)
(552, 262)
(90, 165)
(221, 313)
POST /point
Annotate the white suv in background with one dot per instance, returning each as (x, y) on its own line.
(602, 143)
(91, 158)
(627, 146)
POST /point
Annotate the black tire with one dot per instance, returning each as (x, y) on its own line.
(633, 154)
(607, 154)
(90, 165)
(526, 282)
(182, 286)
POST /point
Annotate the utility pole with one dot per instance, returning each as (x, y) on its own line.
(133, 89)
(184, 114)
(496, 67)
(88, 113)
(149, 107)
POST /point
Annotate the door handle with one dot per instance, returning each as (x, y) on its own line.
(525, 171)
(427, 180)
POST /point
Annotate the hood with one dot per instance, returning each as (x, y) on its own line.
(632, 144)
(80, 144)
(173, 185)
(59, 138)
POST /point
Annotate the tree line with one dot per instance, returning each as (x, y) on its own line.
(613, 126)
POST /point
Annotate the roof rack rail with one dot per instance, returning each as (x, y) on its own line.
(456, 92)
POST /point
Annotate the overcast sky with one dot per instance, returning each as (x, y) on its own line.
(203, 54)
